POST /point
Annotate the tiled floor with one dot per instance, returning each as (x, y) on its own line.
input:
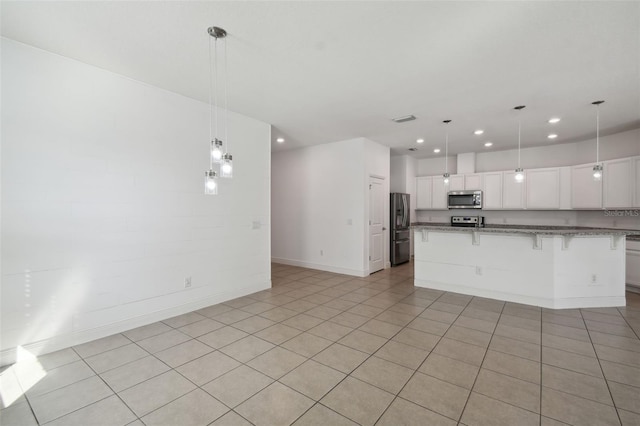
(326, 349)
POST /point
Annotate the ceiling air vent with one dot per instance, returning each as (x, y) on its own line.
(403, 119)
(413, 149)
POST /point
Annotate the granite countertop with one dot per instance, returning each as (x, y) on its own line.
(529, 229)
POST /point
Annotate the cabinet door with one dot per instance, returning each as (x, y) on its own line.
(423, 193)
(512, 191)
(543, 189)
(617, 180)
(456, 183)
(439, 193)
(586, 193)
(636, 181)
(492, 191)
(473, 182)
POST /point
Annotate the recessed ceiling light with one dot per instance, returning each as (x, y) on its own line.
(552, 136)
(488, 144)
(478, 132)
(280, 140)
(420, 140)
(437, 150)
(554, 120)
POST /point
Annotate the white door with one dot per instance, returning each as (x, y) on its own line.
(376, 222)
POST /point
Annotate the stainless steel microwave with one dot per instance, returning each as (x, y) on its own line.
(464, 199)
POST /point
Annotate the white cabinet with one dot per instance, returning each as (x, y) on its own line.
(565, 188)
(512, 191)
(633, 264)
(456, 183)
(636, 181)
(543, 188)
(617, 180)
(439, 193)
(423, 193)
(473, 182)
(492, 191)
(586, 193)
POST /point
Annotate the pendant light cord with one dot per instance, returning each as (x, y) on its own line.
(226, 110)
(519, 128)
(446, 150)
(597, 134)
(215, 84)
(210, 104)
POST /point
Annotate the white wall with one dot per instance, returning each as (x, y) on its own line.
(103, 211)
(319, 204)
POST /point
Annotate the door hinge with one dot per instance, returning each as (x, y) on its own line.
(369, 258)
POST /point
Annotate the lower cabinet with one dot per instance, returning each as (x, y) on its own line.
(633, 265)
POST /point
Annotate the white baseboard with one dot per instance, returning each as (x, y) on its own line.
(564, 303)
(56, 343)
(321, 267)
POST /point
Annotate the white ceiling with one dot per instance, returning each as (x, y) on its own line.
(327, 71)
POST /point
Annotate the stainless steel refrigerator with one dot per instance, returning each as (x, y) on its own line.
(400, 228)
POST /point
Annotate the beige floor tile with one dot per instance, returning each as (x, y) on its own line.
(519, 322)
(253, 324)
(222, 337)
(516, 347)
(277, 362)
(98, 346)
(573, 410)
(258, 307)
(212, 311)
(197, 329)
(514, 366)
(312, 379)
(626, 397)
(508, 389)
(53, 379)
(628, 418)
(358, 401)
(362, 341)
(518, 334)
(131, 374)
(553, 318)
(232, 316)
(319, 415)
(349, 320)
(450, 370)
(184, 319)
(568, 345)
(341, 305)
(156, 392)
(237, 385)
(419, 339)
(481, 410)
(616, 341)
(429, 326)
(323, 312)
(564, 331)
(307, 344)
(582, 385)
(341, 358)
(331, 331)
(365, 310)
(380, 328)
(621, 373)
(57, 359)
(18, 414)
(473, 323)
(439, 315)
(275, 405)
(468, 335)
(279, 314)
(246, 349)
(110, 411)
(207, 368)
(278, 333)
(396, 318)
(465, 352)
(300, 305)
(571, 361)
(163, 341)
(408, 356)
(231, 419)
(621, 356)
(116, 357)
(197, 408)
(383, 374)
(60, 402)
(402, 412)
(303, 322)
(183, 353)
(442, 397)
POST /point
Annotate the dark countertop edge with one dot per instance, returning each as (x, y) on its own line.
(531, 229)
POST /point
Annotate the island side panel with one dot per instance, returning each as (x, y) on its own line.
(522, 268)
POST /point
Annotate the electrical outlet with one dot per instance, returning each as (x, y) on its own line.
(187, 282)
(594, 278)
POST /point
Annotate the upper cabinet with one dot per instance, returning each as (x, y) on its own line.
(636, 181)
(512, 191)
(618, 182)
(543, 188)
(423, 192)
(492, 191)
(473, 182)
(431, 191)
(586, 193)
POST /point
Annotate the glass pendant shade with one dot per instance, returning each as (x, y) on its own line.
(519, 176)
(597, 172)
(210, 182)
(446, 178)
(226, 166)
(216, 150)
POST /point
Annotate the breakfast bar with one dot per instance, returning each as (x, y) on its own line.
(552, 267)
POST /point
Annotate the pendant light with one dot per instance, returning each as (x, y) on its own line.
(519, 176)
(217, 153)
(446, 154)
(597, 168)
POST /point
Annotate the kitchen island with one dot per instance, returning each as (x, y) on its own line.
(552, 267)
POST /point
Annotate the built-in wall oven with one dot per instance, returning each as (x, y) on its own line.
(464, 199)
